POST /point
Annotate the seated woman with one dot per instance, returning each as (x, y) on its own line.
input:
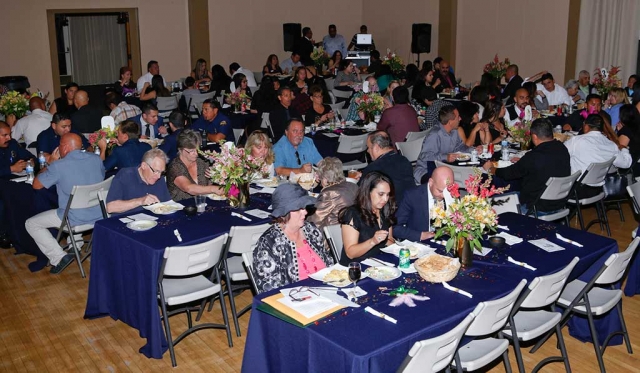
(470, 131)
(266, 97)
(129, 151)
(186, 172)
(629, 133)
(617, 98)
(259, 146)
(337, 193)
(300, 89)
(493, 115)
(366, 226)
(200, 73)
(535, 100)
(291, 249)
(334, 62)
(240, 84)
(64, 104)
(272, 67)
(220, 81)
(388, 98)
(154, 90)
(126, 87)
(348, 76)
(318, 113)
(424, 91)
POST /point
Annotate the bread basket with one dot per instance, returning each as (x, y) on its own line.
(433, 268)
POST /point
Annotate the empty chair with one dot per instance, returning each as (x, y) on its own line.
(337, 93)
(490, 318)
(416, 136)
(221, 98)
(435, 354)
(108, 122)
(460, 173)
(267, 124)
(508, 202)
(333, 234)
(529, 320)
(594, 175)
(352, 145)
(329, 83)
(558, 188)
(336, 107)
(166, 105)
(237, 133)
(410, 149)
(186, 284)
(258, 77)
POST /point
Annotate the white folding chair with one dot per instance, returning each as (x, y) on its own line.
(185, 284)
(416, 136)
(195, 106)
(529, 320)
(108, 122)
(329, 83)
(433, 355)
(333, 234)
(352, 145)
(247, 259)
(82, 197)
(594, 175)
(337, 93)
(237, 133)
(266, 123)
(460, 173)
(258, 77)
(410, 149)
(241, 240)
(558, 188)
(221, 98)
(491, 317)
(588, 299)
(166, 105)
(336, 107)
(634, 193)
(508, 202)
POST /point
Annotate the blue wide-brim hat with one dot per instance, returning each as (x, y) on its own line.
(290, 197)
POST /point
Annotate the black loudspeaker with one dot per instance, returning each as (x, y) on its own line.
(291, 32)
(421, 38)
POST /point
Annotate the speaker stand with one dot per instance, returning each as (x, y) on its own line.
(419, 67)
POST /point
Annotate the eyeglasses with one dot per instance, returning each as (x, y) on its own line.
(298, 158)
(301, 294)
(190, 151)
(157, 172)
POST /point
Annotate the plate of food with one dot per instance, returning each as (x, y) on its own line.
(267, 183)
(142, 225)
(307, 180)
(462, 157)
(416, 250)
(383, 274)
(164, 208)
(337, 275)
(216, 197)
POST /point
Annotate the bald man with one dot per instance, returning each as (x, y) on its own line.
(447, 79)
(28, 128)
(73, 168)
(413, 214)
(87, 118)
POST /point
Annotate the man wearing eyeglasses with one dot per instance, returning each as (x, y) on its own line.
(129, 151)
(134, 187)
(295, 152)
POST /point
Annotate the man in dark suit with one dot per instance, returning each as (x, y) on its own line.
(514, 82)
(88, 118)
(413, 216)
(447, 79)
(279, 117)
(150, 123)
(305, 46)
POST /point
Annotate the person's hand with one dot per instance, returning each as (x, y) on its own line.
(576, 98)
(452, 157)
(436, 83)
(540, 93)
(619, 126)
(304, 90)
(306, 168)
(426, 235)
(143, 137)
(567, 127)
(102, 144)
(147, 200)
(55, 155)
(330, 115)
(484, 126)
(286, 71)
(380, 236)
(19, 166)
(487, 165)
(162, 130)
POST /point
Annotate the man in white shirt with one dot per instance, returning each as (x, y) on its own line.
(291, 63)
(555, 94)
(334, 42)
(152, 69)
(30, 126)
(235, 68)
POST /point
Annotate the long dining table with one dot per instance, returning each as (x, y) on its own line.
(125, 264)
(352, 340)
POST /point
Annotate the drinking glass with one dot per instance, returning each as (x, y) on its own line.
(354, 275)
(201, 203)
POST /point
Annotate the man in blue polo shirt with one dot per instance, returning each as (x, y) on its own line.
(74, 168)
(295, 152)
(49, 139)
(216, 124)
(129, 152)
(134, 187)
(13, 157)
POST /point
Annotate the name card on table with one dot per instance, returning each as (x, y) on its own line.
(258, 213)
(546, 245)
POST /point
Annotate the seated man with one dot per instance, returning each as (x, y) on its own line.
(514, 113)
(177, 120)
(555, 94)
(13, 157)
(594, 147)
(385, 159)
(188, 93)
(134, 187)
(413, 212)
(129, 151)
(447, 79)
(295, 152)
(291, 63)
(216, 125)
(74, 168)
(441, 144)
(235, 68)
(30, 126)
(120, 109)
(150, 123)
(573, 90)
(280, 116)
(534, 168)
(576, 119)
(49, 139)
(87, 118)
(401, 118)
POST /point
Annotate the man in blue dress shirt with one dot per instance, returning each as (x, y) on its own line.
(334, 42)
(130, 149)
(13, 157)
(216, 124)
(177, 120)
(294, 152)
(49, 139)
(151, 126)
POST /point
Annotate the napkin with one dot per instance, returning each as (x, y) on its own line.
(20, 179)
(558, 236)
(409, 270)
(456, 290)
(546, 245)
(503, 227)
(380, 314)
(468, 163)
(258, 213)
(485, 251)
(522, 264)
(510, 239)
(142, 216)
(331, 134)
(377, 263)
(352, 292)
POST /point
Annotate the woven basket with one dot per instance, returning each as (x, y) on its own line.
(440, 276)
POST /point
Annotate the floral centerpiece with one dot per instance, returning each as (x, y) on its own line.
(393, 61)
(238, 100)
(14, 103)
(319, 57)
(604, 80)
(497, 68)
(467, 218)
(369, 104)
(104, 133)
(520, 131)
(234, 170)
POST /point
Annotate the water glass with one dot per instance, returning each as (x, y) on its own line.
(201, 203)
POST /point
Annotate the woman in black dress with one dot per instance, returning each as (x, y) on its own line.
(220, 81)
(64, 104)
(272, 67)
(318, 113)
(470, 130)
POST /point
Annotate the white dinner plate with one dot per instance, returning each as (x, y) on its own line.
(325, 271)
(142, 225)
(417, 250)
(164, 208)
(463, 157)
(267, 183)
(383, 274)
(216, 197)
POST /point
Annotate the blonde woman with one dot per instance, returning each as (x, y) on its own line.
(200, 72)
(388, 98)
(259, 146)
(617, 98)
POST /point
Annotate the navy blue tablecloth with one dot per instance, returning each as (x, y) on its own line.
(328, 146)
(125, 264)
(354, 341)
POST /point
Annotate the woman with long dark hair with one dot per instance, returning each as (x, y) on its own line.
(471, 130)
(334, 62)
(493, 115)
(272, 67)
(240, 82)
(220, 81)
(155, 89)
(629, 130)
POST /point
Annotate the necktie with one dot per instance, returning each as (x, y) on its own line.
(449, 80)
(288, 115)
(147, 132)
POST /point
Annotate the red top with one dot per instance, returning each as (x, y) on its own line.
(308, 261)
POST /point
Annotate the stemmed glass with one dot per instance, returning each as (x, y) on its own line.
(354, 275)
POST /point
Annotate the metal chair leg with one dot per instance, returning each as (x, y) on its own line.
(76, 252)
(594, 335)
(516, 345)
(605, 218)
(225, 316)
(563, 348)
(167, 328)
(625, 332)
(231, 298)
(507, 363)
(580, 218)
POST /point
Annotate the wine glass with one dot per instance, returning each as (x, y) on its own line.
(354, 275)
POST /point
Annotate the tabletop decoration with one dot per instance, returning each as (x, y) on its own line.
(497, 68)
(239, 100)
(234, 170)
(394, 62)
(604, 80)
(467, 218)
(521, 131)
(369, 104)
(319, 57)
(13, 103)
(104, 133)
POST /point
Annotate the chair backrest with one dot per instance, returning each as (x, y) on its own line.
(617, 264)
(460, 173)
(329, 83)
(410, 149)
(509, 202)
(193, 259)
(243, 239)
(352, 144)
(559, 187)
(333, 233)
(341, 94)
(336, 107)
(108, 122)
(197, 100)
(491, 316)
(221, 97)
(415, 136)
(257, 76)
(596, 172)
(247, 259)
(102, 197)
(167, 103)
(237, 133)
(634, 193)
(435, 354)
(85, 196)
(545, 290)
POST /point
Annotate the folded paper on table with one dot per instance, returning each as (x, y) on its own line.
(273, 307)
(546, 245)
(484, 252)
(258, 213)
(142, 216)
(377, 263)
(331, 134)
(510, 239)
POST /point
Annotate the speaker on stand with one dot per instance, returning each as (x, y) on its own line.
(291, 33)
(420, 39)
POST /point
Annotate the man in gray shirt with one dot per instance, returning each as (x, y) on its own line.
(441, 144)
